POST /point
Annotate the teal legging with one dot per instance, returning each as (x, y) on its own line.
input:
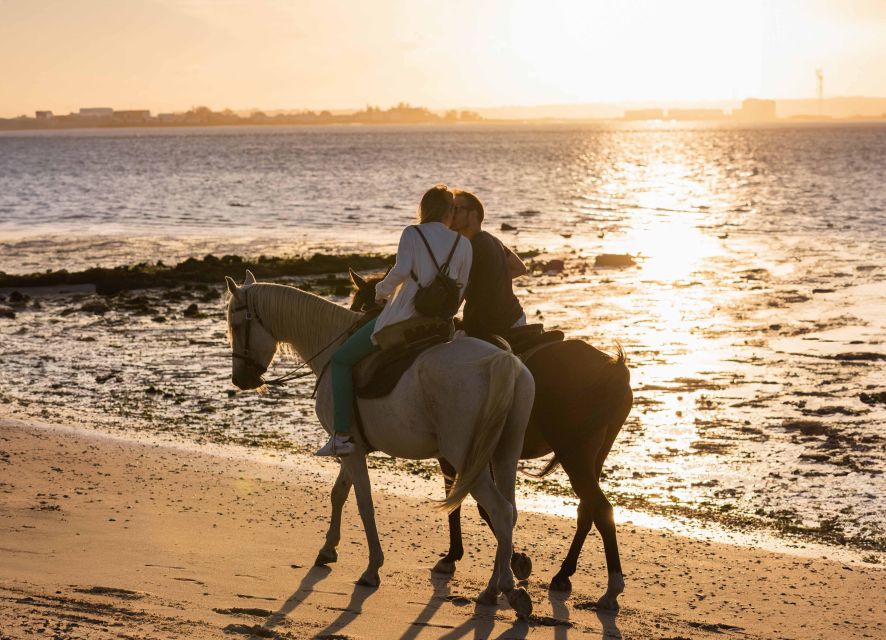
(355, 348)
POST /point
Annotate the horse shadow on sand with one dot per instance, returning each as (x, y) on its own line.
(480, 624)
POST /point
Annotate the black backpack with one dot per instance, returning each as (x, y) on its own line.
(440, 298)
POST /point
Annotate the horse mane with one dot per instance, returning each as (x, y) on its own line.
(288, 311)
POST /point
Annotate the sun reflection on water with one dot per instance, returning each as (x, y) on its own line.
(758, 264)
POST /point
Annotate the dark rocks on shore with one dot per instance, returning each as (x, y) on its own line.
(878, 397)
(17, 298)
(97, 307)
(139, 305)
(806, 427)
(614, 260)
(6, 312)
(552, 267)
(210, 295)
(193, 311)
(507, 227)
(173, 295)
(862, 356)
(210, 269)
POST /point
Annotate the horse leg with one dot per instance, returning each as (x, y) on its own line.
(355, 465)
(578, 461)
(593, 509)
(603, 516)
(605, 522)
(584, 522)
(501, 513)
(446, 564)
(521, 564)
(340, 491)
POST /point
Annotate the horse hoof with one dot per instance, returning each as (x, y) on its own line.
(521, 565)
(369, 580)
(608, 602)
(444, 566)
(521, 602)
(488, 597)
(561, 583)
(325, 557)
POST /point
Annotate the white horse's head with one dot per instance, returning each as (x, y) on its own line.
(252, 345)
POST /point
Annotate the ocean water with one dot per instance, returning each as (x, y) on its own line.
(753, 320)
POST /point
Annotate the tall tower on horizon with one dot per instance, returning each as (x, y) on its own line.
(819, 76)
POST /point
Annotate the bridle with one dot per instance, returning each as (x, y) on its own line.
(257, 368)
(260, 369)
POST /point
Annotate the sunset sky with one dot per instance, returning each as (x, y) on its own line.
(280, 54)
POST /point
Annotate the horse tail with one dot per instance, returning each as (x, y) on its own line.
(622, 376)
(548, 469)
(502, 368)
(620, 357)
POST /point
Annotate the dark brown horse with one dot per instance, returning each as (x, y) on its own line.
(582, 398)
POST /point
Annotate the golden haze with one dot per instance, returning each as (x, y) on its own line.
(169, 55)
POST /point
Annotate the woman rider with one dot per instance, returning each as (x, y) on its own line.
(399, 288)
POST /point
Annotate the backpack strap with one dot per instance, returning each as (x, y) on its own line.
(425, 240)
(440, 269)
(445, 266)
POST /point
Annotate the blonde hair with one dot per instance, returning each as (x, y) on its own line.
(435, 204)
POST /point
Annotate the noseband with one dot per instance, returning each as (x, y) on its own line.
(256, 367)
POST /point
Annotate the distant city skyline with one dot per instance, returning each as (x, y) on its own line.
(748, 111)
(171, 55)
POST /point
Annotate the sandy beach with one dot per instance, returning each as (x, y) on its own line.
(109, 537)
(193, 193)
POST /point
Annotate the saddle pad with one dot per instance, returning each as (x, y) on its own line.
(377, 375)
(525, 330)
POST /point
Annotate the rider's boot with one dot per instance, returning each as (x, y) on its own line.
(339, 444)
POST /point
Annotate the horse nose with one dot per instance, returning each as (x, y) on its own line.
(238, 381)
(246, 382)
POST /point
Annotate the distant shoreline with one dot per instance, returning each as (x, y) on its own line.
(642, 124)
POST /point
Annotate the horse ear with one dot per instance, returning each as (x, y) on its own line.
(232, 286)
(356, 279)
(250, 279)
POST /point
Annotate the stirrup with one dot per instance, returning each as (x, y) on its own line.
(339, 444)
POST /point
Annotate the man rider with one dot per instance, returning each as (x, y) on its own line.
(490, 304)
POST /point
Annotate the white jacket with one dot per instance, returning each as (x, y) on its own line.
(398, 287)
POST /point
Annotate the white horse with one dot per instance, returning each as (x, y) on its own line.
(464, 400)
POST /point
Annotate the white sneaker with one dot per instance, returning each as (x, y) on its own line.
(339, 444)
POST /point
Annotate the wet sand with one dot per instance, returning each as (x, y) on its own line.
(766, 415)
(109, 537)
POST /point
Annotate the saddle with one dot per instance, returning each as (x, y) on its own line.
(376, 375)
(524, 341)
